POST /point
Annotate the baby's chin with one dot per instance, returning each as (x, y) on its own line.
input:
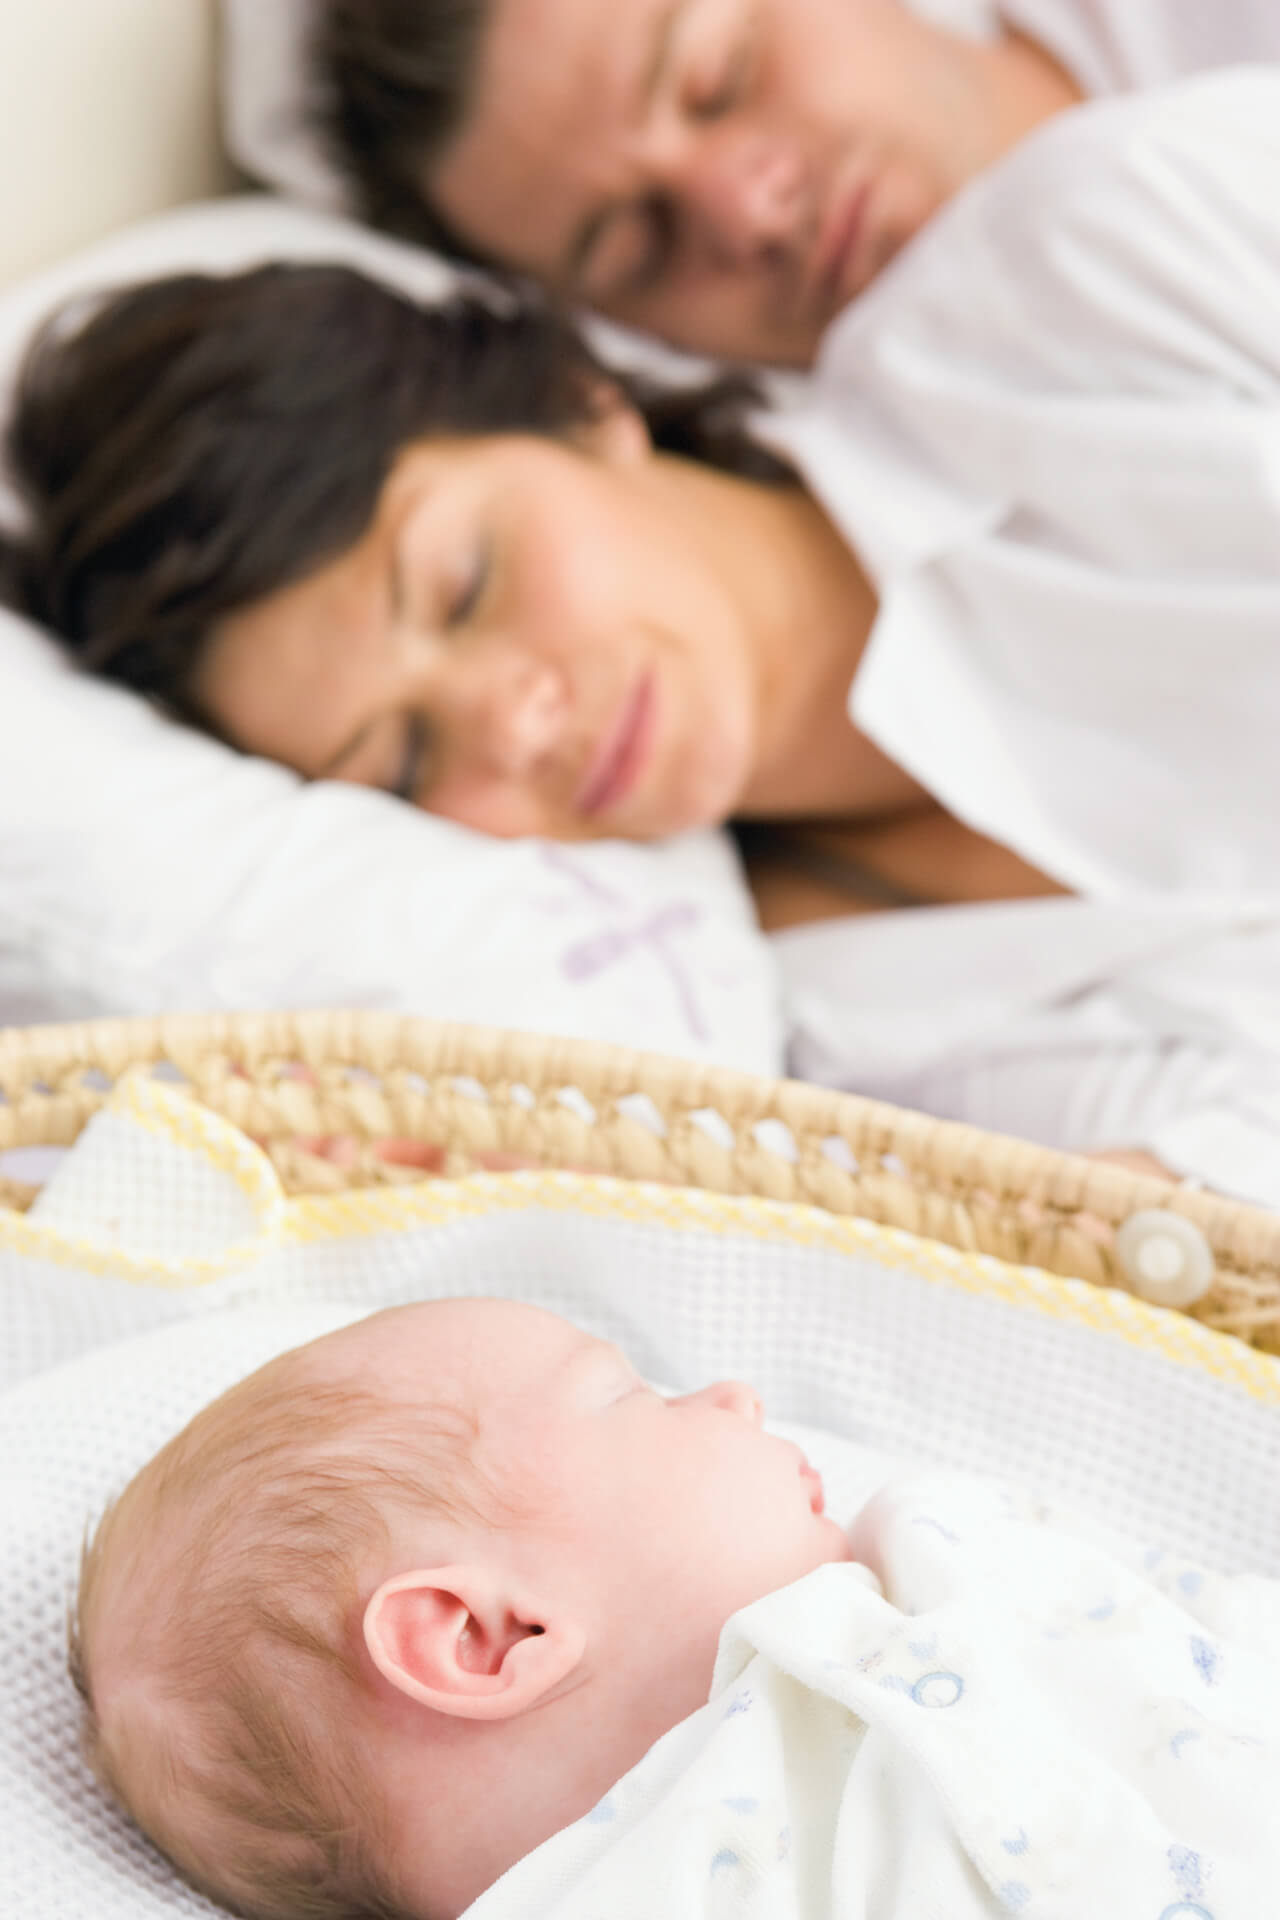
(841, 1547)
(835, 1546)
(828, 1546)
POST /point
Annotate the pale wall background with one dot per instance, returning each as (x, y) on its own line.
(107, 112)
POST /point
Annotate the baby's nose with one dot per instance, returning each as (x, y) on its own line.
(734, 1396)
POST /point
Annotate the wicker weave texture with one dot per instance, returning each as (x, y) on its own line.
(355, 1098)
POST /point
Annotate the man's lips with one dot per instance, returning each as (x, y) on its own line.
(837, 244)
(622, 753)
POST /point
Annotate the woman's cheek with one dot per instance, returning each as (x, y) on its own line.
(477, 804)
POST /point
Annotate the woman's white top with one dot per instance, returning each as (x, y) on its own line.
(1051, 431)
(1080, 1024)
(1086, 1025)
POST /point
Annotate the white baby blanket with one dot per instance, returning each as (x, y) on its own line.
(164, 1261)
(1019, 1719)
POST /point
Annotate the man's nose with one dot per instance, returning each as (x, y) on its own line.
(745, 191)
(731, 1396)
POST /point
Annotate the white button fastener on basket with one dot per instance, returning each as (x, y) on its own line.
(1166, 1259)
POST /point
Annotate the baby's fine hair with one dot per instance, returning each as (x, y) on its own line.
(227, 1579)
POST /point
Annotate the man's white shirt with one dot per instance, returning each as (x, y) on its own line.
(1052, 433)
(1119, 46)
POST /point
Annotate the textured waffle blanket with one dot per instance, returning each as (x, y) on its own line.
(1011, 1715)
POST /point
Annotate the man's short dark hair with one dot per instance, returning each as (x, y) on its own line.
(394, 81)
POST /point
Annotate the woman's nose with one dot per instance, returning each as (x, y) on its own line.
(511, 711)
(731, 1396)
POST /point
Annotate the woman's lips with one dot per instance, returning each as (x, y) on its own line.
(622, 754)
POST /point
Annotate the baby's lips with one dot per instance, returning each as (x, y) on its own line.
(813, 1480)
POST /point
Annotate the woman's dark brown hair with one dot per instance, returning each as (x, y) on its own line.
(199, 442)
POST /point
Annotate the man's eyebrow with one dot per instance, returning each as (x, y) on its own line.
(659, 53)
(587, 238)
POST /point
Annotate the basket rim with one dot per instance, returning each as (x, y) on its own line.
(943, 1179)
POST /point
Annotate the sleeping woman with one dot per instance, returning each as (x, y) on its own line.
(438, 551)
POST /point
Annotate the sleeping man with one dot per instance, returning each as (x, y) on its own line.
(449, 1588)
(727, 174)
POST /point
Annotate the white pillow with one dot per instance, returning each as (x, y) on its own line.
(143, 868)
(267, 97)
(215, 236)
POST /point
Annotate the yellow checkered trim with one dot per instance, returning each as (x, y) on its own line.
(786, 1223)
(174, 1116)
(363, 1213)
(170, 1114)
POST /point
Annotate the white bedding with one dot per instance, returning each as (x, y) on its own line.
(1080, 1024)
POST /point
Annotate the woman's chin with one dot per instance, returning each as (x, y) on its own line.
(664, 823)
(706, 795)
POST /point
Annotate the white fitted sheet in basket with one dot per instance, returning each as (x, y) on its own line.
(893, 1348)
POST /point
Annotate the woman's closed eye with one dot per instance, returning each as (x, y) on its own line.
(415, 747)
(466, 597)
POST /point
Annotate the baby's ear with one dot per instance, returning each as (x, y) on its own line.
(461, 1641)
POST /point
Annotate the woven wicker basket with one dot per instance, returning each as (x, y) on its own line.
(343, 1099)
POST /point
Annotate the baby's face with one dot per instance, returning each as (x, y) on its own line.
(666, 1510)
(636, 1522)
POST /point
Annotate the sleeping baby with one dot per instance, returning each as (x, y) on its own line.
(432, 1611)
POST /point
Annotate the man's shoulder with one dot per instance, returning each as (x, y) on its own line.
(1172, 144)
(1141, 225)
